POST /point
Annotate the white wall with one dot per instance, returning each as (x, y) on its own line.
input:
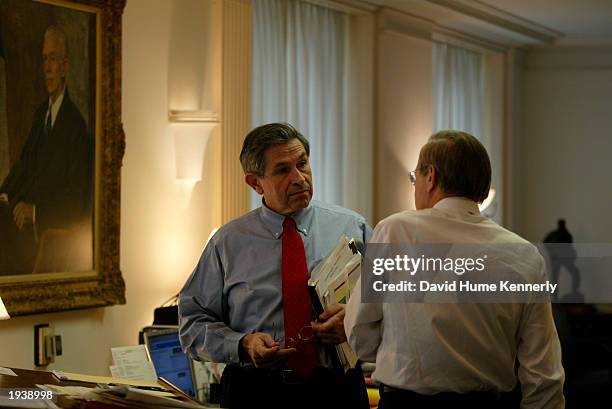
(160, 239)
(359, 102)
(567, 144)
(403, 117)
(513, 137)
(404, 109)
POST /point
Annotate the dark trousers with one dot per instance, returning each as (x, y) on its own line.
(243, 387)
(391, 398)
(17, 247)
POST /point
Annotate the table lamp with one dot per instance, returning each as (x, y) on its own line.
(3, 313)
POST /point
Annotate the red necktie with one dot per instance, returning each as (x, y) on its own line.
(297, 305)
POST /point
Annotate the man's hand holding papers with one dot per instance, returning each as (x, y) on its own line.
(330, 285)
(330, 326)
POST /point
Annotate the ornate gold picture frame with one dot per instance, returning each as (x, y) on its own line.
(71, 223)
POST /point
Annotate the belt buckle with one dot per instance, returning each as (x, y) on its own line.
(290, 377)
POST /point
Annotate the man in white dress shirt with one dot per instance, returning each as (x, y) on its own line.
(457, 355)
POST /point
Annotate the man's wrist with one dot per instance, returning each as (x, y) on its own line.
(242, 350)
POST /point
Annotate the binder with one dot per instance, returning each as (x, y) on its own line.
(316, 302)
(332, 282)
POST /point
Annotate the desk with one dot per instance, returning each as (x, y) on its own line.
(28, 379)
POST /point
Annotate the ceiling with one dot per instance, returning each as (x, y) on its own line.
(586, 19)
(517, 22)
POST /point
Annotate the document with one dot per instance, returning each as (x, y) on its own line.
(131, 362)
(123, 396)
(332, 282)
(69, 376)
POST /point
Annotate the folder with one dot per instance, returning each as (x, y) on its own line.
(331, 282)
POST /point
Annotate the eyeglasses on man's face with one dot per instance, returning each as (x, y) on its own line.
(413, 177)
(414, 172)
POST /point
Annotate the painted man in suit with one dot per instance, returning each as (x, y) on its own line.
(49, 186)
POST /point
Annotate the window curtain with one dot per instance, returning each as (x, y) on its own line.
(466, 98)
(300, 71)
(457, 89)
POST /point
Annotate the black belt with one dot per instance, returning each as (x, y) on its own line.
(245, 386)
(287, 376)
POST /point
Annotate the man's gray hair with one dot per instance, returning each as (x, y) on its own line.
(61, 36)
(462, 164)
(252, 156)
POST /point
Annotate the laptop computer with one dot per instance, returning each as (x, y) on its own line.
(164, 350)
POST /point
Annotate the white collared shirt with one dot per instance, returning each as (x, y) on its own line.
(431, 348)
(55, 107)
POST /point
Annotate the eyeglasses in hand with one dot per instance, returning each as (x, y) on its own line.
(303, 337)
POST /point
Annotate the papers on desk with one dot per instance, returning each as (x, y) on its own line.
(332, 282)
(131, 362)
(119, 396)
(69, 376)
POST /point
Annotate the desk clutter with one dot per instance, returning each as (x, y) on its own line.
(118, 396)
(21, 388)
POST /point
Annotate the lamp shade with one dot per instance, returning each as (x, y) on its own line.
(4, 315)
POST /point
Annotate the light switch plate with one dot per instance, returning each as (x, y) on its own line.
(41, 335)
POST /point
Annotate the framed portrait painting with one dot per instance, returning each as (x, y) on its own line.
(61, 146)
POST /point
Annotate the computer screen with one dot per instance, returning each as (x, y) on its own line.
(170, 361)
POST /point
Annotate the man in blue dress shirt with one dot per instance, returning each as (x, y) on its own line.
(238, 303)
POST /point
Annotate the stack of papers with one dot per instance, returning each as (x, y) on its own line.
(120, 396)
(332, 282)
(70, 376)
(334, 278)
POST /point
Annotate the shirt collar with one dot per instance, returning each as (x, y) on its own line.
(56, 105)
(458, 204)
(274, 221)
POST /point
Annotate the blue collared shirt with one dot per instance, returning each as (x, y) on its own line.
(236, 287)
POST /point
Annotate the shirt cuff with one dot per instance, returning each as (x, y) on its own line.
(231, 347)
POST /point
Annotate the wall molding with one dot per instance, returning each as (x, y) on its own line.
(237, 33)
(501, 18)
(415, 26)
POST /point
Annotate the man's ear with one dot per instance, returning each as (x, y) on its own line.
(252, 180)
(432, 179)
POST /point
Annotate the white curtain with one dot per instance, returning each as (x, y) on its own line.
(300, 76)
(467, 97)
(457, 89)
